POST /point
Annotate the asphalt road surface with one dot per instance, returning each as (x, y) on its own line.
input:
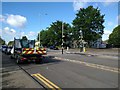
(67, 71)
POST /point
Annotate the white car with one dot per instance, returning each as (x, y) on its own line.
(8, 50)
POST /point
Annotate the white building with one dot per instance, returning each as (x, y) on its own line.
(98, 44)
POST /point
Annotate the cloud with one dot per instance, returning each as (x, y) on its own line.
(6, 30)
(118, 18)
(12, 31)
(110, 23)
(116, 25)
(31, 33)
(2, 18)
(0, 32)
(22, 33)
(77, 4)
(9, 31)
(109, 2)
(106, 34)
(16, 21)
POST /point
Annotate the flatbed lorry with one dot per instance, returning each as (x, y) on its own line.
(25, 50)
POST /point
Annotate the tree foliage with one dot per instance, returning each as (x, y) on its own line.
(53, 34)
(10, 43)
(114, 37)
(24, 38)
(2, 42)
(90, 21)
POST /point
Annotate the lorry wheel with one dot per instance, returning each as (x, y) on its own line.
(18, 61)
(37, 61)
(11, 57)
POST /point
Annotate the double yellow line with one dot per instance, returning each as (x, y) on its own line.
(48, 83)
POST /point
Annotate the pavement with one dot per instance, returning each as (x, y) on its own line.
(111, 52)
(13, 76)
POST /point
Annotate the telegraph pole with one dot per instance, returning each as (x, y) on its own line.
(39, 38)
(40, 25)
(62, 37)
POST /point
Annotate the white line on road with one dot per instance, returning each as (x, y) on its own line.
(102, 67)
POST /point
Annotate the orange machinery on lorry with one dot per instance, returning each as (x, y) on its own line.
(24, 50)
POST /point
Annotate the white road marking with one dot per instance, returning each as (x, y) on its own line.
(102, 67)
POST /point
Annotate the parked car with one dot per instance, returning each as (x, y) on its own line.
(54, 47)
(0, 47)
(51, 47)
(8, 51)
(4, 48)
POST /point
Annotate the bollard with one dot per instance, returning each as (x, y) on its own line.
(67, 48)
(84, 49)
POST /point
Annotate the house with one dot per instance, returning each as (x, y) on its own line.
(98, 44)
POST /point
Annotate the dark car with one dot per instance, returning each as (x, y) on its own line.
(4, 48)
(54, 47)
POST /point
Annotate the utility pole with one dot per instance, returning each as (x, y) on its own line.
(39, 39)
(41, 25)
(62, 37)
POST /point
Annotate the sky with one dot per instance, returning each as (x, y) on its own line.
(28, 18)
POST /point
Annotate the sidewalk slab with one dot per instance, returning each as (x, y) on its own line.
(14, 77)
(96, 52)
(18, 79)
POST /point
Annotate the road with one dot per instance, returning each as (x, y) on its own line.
(69, 71)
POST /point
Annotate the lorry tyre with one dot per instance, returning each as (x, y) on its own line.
(38, 61)
(18, 61)
(11, 57)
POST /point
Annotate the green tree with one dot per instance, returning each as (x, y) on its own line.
(114, 37)
(24, 38)
(90, 21)
(2, 42)
(53, 34)
(10, 43)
